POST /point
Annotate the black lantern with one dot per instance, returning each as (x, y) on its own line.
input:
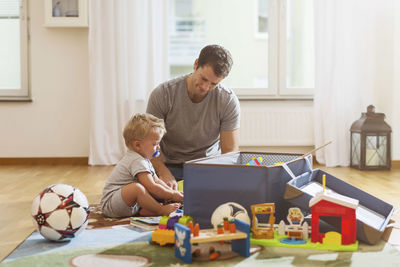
(370, 142)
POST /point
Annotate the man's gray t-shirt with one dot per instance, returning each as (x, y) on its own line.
(193, 128)
(125, 173)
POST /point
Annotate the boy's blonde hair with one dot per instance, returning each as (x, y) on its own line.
(139, 126)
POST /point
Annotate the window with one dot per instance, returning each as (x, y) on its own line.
(272, 43)
(262, 19)
(13, 50)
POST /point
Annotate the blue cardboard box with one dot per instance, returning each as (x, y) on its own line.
(210, 182)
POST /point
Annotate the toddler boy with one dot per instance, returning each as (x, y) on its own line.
(131, 187)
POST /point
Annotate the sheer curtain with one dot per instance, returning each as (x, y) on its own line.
(128, 57)
(396, 84)
(348, 58)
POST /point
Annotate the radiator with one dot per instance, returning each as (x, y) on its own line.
(263, 127)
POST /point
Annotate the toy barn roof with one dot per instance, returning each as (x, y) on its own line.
(335, 198)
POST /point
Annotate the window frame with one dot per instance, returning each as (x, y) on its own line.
(257, 34)
(276, 37)
(23, 93)
(272, 35)
(276, 40)
(283, 88)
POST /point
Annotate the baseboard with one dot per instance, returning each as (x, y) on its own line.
(45, 161)
(85, 160)
(396, 164)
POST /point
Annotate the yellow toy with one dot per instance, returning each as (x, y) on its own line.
(163, 236)
(295, 218)
(263, 231)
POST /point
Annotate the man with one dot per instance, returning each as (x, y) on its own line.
(201, 116)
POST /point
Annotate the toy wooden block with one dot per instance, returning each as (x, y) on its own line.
(163, 236)
(240, 240)
(211, 235)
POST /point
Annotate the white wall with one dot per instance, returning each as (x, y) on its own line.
(56, 123)
(395, 96)
(387, 69)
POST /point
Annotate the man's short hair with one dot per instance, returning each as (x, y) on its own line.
(218, 58)
(139, 126)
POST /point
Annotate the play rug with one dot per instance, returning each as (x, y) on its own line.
(116, 243)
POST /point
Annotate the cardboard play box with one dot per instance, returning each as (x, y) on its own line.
(210, 182)
(373, 214)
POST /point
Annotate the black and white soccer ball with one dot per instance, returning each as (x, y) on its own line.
(230, 210)
(60, 212)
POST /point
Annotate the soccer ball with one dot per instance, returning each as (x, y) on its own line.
(60, 212)
(231, 210)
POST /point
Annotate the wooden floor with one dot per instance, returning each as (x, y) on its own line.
(20, 184)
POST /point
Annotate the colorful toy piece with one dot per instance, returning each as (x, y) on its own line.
(255, 161)
(295, 218)
(265, 230)
(162, 237)
(167, 222)
(327, 203)
(297, 233)
(184, 240)
(165, 234)
(214, 254)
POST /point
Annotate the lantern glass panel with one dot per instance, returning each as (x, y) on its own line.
(355, 148)
(375, 154)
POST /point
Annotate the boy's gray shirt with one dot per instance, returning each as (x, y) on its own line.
(193, 128)
(125, 173)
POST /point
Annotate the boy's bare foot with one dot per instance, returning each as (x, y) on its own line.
(166, 209)
(146, 213)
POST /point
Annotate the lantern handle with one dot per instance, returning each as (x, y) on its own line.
(315, 149)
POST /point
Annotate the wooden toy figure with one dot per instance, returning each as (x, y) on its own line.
(196, 230)
(295, 218)
(226, 224)
(220, 230)
(232, 227)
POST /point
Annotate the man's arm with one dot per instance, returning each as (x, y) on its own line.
(163, 172)
(229, 141)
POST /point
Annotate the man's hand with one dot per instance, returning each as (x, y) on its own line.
(164, 173)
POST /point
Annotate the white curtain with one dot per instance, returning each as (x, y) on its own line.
(128, 57)
(395, 120)
(349, 51)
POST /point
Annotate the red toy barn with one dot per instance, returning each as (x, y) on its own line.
(331, 204)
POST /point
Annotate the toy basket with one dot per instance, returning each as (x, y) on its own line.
(210, 182)
(373, 215)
